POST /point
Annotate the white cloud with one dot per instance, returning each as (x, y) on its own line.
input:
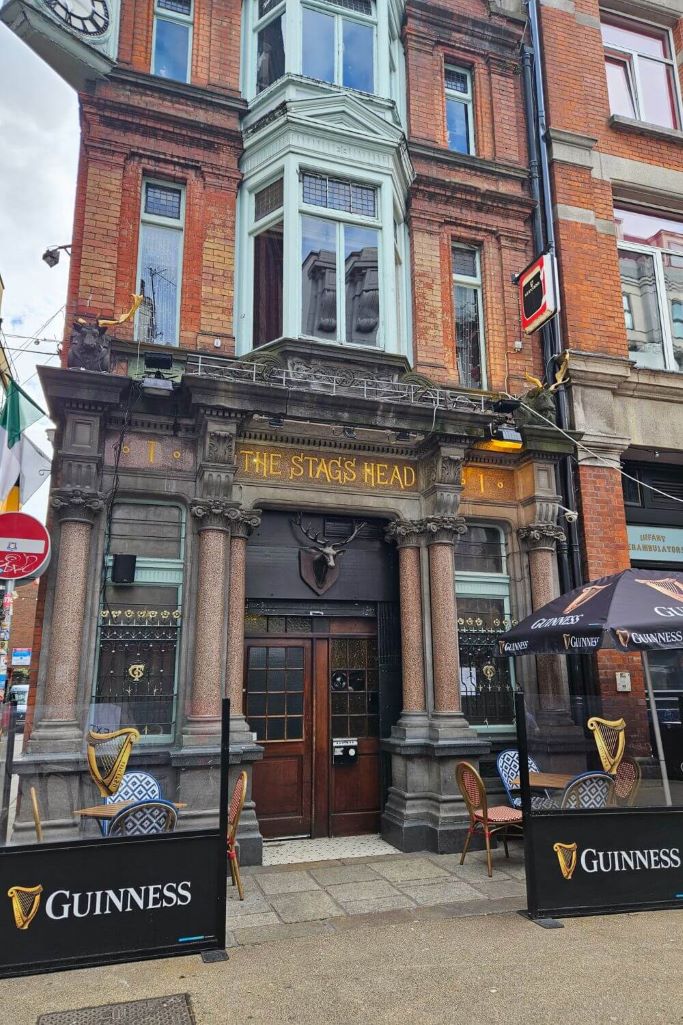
(38, 164)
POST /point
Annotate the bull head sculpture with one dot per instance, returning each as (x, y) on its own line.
(318, 562)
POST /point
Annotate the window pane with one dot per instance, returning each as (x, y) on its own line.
(358, 56)
(162, 201)
(150, 531)
(362, 284)
(467, 336)
(673, 277)
(179, 6)
(657, 102)
(619, 87)
(663, 232)
(270, 61)
(638, 282)
(465, 262)
(269, 199)
(268, 264)
(160, 277)
(480, 550)
(319, 277)
(171, 46)
(457, 118)
(631, 36)
(318, 45)
(457, 81)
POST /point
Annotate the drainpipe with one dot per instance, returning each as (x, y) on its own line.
(568, 553)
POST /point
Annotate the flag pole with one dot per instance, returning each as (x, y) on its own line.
(657, 731)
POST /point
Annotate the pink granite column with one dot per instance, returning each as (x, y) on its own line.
(540, 540)
(442, 533)
(243, 523)
(406, 534)
(76, 509)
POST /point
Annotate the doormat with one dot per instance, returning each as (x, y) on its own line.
(173, 1010)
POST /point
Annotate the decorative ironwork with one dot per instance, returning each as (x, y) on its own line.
(486, 686)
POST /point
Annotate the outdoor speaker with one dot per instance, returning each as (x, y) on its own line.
(158, 361)
(123, 569)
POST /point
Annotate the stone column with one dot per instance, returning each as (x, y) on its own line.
(59, 723)
(243, 521)
(442, 533)
(407, 535)
(540, 539)
(204, 718)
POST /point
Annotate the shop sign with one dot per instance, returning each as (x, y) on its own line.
(21, 656)
(538, 293)
(345, 471)
(655, 544)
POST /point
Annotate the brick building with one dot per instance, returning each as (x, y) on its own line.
(286, 474)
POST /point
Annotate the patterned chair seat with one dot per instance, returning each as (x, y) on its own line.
(144, 819)
(135, 786)
(507, 764)
(588, 790)
(500, 813)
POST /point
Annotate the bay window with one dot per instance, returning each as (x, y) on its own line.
(270, 43)
(641, 72)
(651, 267)
(338, 43)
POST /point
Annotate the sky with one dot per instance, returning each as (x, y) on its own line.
(39, 135)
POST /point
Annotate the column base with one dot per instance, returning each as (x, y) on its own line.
(424, 808)
(201, 731)
(450, 726)
(51, 736)
(411, 726)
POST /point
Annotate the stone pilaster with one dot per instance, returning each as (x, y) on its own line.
(58, 727)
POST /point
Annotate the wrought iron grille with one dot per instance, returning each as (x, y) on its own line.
(486, 684)
(137, 664)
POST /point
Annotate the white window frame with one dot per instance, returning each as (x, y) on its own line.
(161, 14)
(467, 99)
(470, 584)
(632, 60)
(341, 14)
(478, 284)
(260, 22)
(165, 222)
(670, 364)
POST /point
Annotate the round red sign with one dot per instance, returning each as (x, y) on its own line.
(24, 546)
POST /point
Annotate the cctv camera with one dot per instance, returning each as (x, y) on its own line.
(570, 516)
(51, 257)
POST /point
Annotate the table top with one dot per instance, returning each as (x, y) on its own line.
(108, 811)
(546, 780)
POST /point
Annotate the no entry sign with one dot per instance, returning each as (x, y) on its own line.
(538, 297)
(24, 546)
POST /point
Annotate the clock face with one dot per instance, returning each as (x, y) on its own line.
(88, 17)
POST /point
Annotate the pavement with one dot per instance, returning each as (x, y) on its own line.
(444, 957)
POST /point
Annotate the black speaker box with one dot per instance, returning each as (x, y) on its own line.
(123, 569)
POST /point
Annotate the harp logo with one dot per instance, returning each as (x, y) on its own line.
(624, 637)
(25, 903)
(587, 594)
(567, 858)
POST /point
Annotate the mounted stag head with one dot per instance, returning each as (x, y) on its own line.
(318, 562)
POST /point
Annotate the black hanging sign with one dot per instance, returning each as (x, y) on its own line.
(538, 294)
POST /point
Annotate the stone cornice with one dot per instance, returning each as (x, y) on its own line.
(466, 161)
(487, 33)
(209, 96)
(81, 389)
(621, 376)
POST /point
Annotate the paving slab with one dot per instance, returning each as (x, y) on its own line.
(369, 890)
(275, 933)
(257, 921)
(286, 882)
(305, 907)
(378, 905)
(334, 875)
(438, 892)
(410, 868)
(499, 887)
(253, 904)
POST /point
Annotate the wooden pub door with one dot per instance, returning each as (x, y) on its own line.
(300, 693)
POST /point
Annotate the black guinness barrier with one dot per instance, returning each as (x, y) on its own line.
(111, 886)
(597, 840)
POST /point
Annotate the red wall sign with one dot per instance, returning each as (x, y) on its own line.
(538, 294)
(24, 546)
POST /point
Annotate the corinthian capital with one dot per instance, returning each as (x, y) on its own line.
(219, 514)
(405, 533)
(441, 530)
(537, 536)
(74, 504)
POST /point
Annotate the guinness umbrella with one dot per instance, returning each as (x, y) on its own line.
(636, 610)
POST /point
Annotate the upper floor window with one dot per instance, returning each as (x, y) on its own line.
(160, 262)
(172, 46)
(651, 265)
(338, 43)
(270, 42)
(640, 72)
(459, 120)
(469, 316)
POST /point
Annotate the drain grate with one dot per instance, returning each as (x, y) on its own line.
(173, 1010)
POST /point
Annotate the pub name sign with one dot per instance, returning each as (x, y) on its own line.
(255, 462)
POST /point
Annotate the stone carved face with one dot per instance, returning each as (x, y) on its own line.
(89, 349)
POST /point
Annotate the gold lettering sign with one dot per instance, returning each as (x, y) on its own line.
(284, 465)
(487, 482)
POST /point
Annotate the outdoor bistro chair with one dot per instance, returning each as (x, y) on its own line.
(236, 804)
(627, 782)
(507, 764)
(135, 786)
(587, 791)
(610, 740)
(144, 819)
(487, 820)
(35, 807)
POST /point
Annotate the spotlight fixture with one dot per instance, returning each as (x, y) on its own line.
(276, 422)
(349, 432)
(157, 384)
(502, 439)
(158, 361)
(51, 255)
(404, 436)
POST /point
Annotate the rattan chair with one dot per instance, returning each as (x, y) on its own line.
(507, 764)
(36, 815)
(144, 819)
(589, 790)
(235, 810)
(627, 782)
(498, 819)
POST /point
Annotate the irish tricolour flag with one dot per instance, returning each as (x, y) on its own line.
(20, 460)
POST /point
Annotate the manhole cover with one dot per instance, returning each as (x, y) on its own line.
(173, 1010)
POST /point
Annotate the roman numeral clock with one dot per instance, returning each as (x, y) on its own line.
(78, 38)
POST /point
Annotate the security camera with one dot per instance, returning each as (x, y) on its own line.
(570, 515)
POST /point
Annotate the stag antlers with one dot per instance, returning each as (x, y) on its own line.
(560, 376)
(329, 550)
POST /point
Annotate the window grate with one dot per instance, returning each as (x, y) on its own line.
(177, 6)
(162, 201)
(359, 6)
(269, 199)
(335, 194)
(457, 81)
